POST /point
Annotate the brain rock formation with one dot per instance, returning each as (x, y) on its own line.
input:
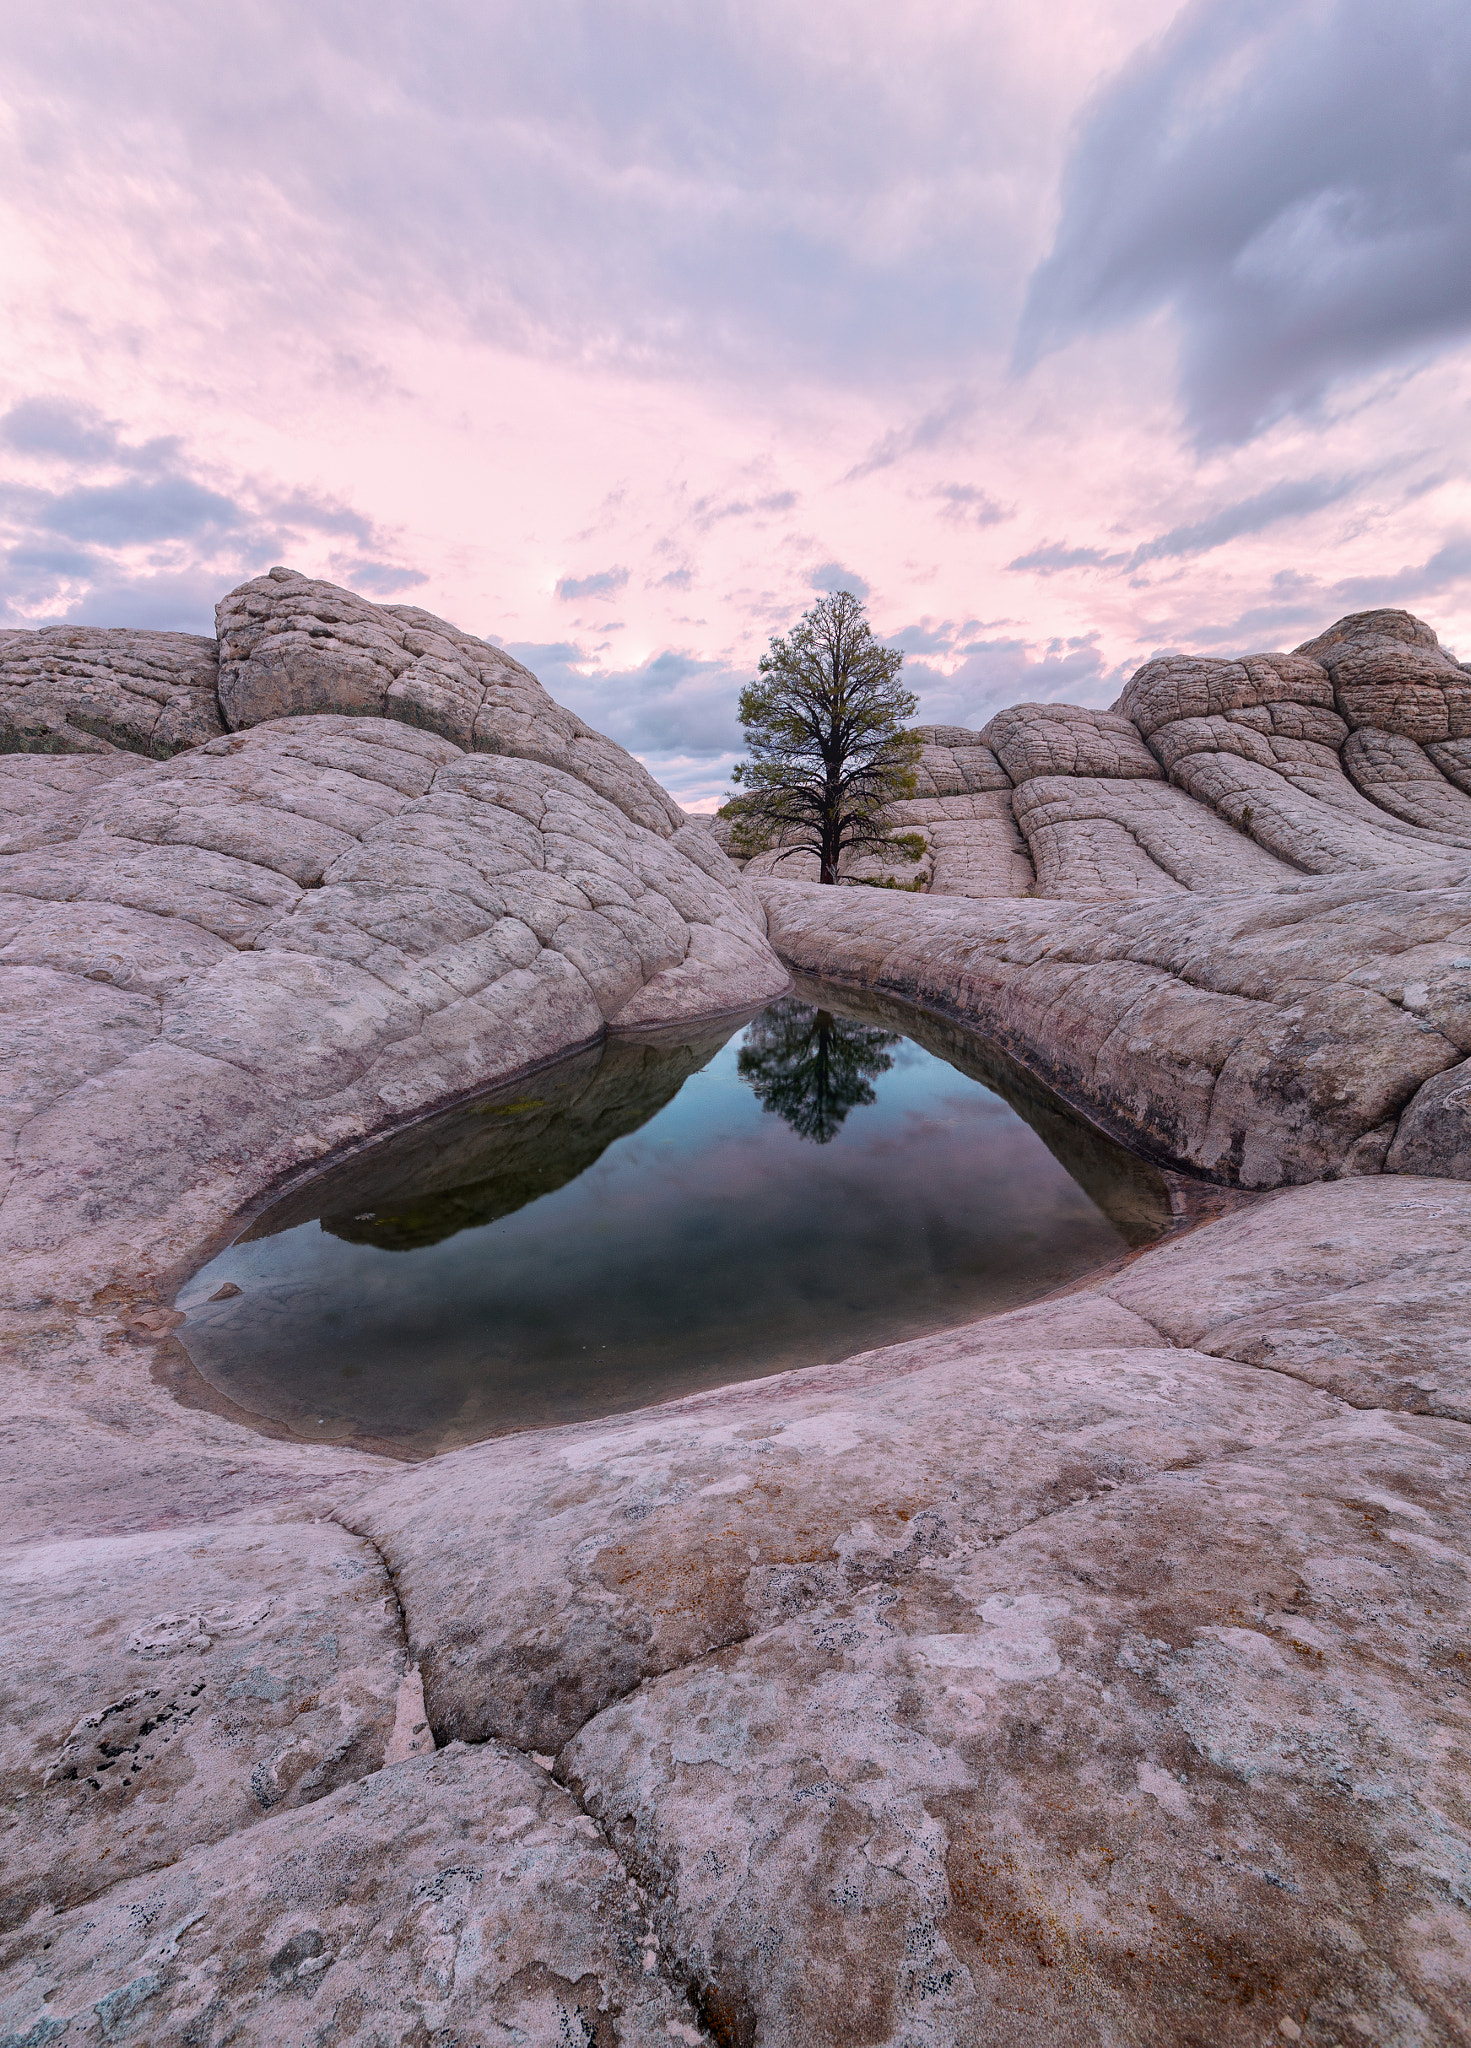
(384, 869)
(1209, 775)
(1094, 1673)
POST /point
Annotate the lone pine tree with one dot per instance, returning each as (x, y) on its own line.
(828, 752)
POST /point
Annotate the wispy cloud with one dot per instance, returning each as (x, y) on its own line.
(676, 711)
(100, 527)
(1286, 500)
(832, 576)
(995, 672)
(378, 579)
(1447, 569)
(968, 505)
(628, 325)
(668, 188)
(708, 512)
(938, 427)
(75, 432)
(1055, 555)
(601, 583)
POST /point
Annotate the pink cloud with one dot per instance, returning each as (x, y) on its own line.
(611, 362)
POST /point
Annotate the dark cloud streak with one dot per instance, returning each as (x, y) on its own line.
(1293, 180)
(1293, 498)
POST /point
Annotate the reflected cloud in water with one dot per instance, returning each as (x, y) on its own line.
(663, 1213)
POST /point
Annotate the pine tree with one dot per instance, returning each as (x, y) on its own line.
(828, 752)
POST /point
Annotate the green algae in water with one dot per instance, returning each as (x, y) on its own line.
(659, 1215)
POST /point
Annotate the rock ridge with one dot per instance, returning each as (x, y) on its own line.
(1319, 1031)
(1209, 775)
(1094, 1672)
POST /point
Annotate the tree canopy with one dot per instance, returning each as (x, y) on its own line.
(828, 752)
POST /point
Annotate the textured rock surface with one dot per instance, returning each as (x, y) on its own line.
(1096, 1673)
(177, 1688)
(956, 762)
(975, 846)
(90, 689)
(1065, 1676)
(1108, 839)
(338, 912)
(1453, 759)
(1209, 775)
(1390, 672)
(1434, 1134)
(463, 1897)
(1170, 1765)
(1257, 1039)
(290, 645)
(1397, 774)
(1368, 1296)
(1064, 739)
(540, 1585)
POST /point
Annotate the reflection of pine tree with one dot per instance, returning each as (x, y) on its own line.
(811, 1067)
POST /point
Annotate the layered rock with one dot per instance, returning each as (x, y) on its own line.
(289, 644)
(1209, 775)
(1391, 674)
(1064, 739)
(1259, 740)
(1107, 839)
(1091, 1673)
(962, 807)
(1399, 776)
(1260, 1040)
(96, 690)
(306, 931)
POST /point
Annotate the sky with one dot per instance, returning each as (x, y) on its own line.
(616, 332)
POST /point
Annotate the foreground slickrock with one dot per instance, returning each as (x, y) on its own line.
(461, 1897)
(1096, 1673)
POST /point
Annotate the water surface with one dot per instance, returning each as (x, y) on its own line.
(658, 1215)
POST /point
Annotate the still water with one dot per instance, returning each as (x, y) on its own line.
(656, 1216)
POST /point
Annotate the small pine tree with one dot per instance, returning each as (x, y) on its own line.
(829, 755)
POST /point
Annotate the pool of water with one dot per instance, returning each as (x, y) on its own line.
(655, 1216)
